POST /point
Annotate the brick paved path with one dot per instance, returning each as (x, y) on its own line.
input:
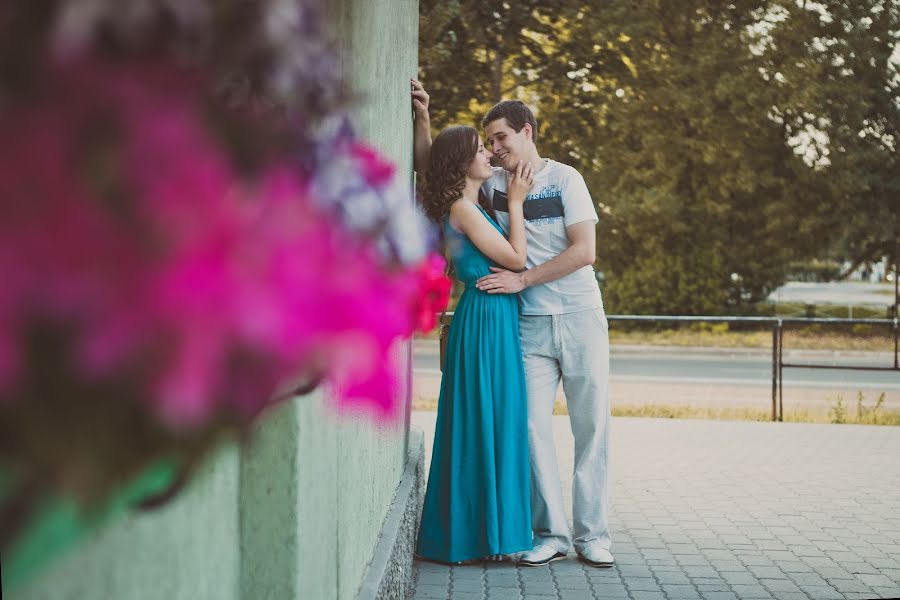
(722, 510)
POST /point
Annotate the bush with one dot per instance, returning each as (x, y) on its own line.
(814, 271)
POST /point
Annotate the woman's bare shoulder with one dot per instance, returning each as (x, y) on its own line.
(461, 212)
(462, 207)
(464, 210)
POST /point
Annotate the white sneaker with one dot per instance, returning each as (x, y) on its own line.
(597, 557)
(540, 555)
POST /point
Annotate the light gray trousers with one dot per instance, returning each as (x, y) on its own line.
(573, 347)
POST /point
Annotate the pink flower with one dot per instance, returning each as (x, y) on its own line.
(377, 171)
(203, 285)
(434, 292)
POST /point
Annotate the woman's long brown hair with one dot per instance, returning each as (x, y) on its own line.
(452, 151)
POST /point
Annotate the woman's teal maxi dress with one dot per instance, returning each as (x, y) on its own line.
(477, 502)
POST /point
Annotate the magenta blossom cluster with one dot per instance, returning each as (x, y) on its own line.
(131, 234)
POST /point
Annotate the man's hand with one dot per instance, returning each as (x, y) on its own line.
(502, 282)
(419, 99)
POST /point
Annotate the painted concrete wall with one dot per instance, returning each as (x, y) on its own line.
(295, 513)
(380, 40)
(315, 490)
(186, 550)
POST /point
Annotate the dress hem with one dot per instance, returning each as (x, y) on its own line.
(510, 549)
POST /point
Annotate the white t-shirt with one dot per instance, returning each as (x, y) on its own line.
(558, 198)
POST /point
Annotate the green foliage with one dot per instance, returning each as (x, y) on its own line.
(814, 270)
(722, 142)
(838, 411)
(866, 414)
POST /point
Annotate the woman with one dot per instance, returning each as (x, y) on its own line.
(477, 501)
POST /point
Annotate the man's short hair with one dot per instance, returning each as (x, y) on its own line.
(516, 114)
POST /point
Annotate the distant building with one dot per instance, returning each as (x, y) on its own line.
(871, 272)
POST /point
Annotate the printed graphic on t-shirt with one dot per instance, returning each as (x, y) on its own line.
(543, 208)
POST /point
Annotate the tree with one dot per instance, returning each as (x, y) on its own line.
(474, 54)
(858, 46)
(720, 141)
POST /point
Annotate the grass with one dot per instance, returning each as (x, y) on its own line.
(862, 413)
(836, 311)
(873, 414)
(794, 415)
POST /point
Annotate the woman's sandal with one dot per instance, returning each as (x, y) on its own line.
(493, 558)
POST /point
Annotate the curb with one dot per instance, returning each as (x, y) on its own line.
(389, 575)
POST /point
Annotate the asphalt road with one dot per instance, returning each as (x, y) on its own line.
(727, 367)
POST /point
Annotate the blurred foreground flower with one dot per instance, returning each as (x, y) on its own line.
(130, 234)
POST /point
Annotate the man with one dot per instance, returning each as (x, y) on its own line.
(563, 330)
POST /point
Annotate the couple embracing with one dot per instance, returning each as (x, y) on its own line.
(522, 239)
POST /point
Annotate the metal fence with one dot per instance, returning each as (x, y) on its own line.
(778, 325)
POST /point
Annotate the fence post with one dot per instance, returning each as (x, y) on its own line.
(780, 370)
(775, 372)
(896, 365)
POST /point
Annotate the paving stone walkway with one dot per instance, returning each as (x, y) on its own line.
(718, 510)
